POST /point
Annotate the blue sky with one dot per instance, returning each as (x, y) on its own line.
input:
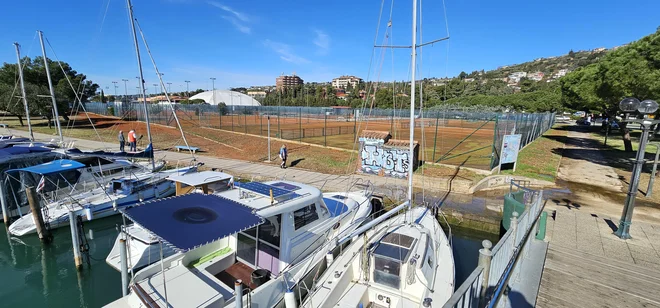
(250, 42)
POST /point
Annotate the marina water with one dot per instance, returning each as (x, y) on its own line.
(36, 275)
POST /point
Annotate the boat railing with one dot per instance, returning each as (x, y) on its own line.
(487, 283)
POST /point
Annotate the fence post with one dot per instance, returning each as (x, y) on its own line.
(485, 256)
(435, 138)
(220, 111)
(494, 149)
(300, 123)
(649, 190)
(513, 228)
(354, 126)
(245, 118)
(232, 120)
(325, 126)
(261, 125)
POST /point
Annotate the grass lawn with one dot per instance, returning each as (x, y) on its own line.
(615, 141)
(537, 160)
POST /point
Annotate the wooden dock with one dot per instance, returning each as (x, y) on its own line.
(586, 266)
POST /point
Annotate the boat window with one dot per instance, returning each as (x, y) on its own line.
(270, 230)
(305, 216)
(246, 248)
(391, 251)
(116, 186)
(386, 271)
(252, 232)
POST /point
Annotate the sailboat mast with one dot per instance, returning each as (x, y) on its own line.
(25, 103)
(412, 102)
(139, 61)
(50, 86)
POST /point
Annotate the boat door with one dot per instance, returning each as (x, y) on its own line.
(259, 247)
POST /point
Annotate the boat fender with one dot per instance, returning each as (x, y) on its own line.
(88, 214)
(290, 299)
(114, 205)
(336, 226)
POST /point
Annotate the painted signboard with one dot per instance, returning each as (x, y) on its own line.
(510, 148)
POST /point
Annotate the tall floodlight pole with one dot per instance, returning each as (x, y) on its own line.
(141, 78)
(125, 90)
(213, 86)
(187, 88)
(169, 87)
(155, 89)
(50, 87)
(25, 103)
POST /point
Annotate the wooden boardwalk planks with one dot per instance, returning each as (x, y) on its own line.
(573, 278)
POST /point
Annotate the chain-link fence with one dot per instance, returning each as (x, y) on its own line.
(468, 138)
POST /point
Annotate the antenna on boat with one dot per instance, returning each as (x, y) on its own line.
(25, 103)
(50, 87)
(144, 94)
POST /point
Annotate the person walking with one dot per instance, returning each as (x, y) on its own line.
(283, 156)
(122, 141)
(132, 140)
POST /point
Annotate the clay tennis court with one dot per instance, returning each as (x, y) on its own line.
(452, 141)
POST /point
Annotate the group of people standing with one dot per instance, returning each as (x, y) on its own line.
(132, 141)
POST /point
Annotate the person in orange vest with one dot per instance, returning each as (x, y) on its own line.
(132, 140)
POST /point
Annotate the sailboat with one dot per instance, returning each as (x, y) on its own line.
(400, 261)
(107, 199)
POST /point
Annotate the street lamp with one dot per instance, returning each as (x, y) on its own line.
(125, 89)
(187, 88)
(631, 105)
(213, 86)
(169, 87)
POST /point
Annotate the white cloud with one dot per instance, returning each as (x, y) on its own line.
(237, 19)
(322, 41)
(240, 27)
(237, 14)
(285, 52)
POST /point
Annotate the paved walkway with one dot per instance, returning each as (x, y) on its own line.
(587, 266)
(260, 171)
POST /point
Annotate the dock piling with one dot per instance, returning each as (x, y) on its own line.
(74, 240)
(238, 289)
(514, 228)
(44, 233)
(485, 256)
(124, 266)
(5, 209)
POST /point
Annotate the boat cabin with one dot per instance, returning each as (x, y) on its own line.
(253, 232)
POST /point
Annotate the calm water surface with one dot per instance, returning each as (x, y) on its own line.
(34, 275)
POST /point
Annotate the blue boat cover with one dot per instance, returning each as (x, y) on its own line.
(55, 166)
(189, 221)
(335, 207)
(147, 153)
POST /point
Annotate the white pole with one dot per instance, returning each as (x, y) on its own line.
(144, 94)
(238, 289)
(52, 90)
(412, 103)
(124, 266)
(269, 138)
(74, 240)
(25, 103)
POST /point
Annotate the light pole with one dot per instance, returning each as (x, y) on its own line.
(169, 87)
(187, 88)
(125, 89)
(155, 89)
(115, 84)
(631, 105)
(213, 87)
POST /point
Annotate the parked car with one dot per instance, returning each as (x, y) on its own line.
(562, 119)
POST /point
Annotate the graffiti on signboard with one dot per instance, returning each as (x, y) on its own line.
(394, 162)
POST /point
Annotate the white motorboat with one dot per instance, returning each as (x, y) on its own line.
(258, 234)
(98, 202)
(142, 246)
